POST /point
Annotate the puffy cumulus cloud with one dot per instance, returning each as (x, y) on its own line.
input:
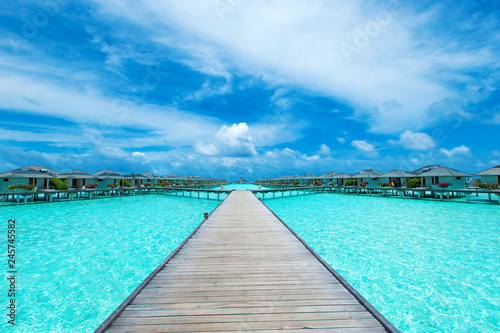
(462, 150)
(230, 141)
(324, 150)
(414, 141)
(363, 146)
(340, 140)
(138, 154)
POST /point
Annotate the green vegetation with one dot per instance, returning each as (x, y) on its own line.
(185, 182)
(489, 186)
(22, 187)
(412, 183)
(126, 183)
(383, 184)
(112, 185)
(92, 185)
(58, 184)
(147, 184)
(350, 182)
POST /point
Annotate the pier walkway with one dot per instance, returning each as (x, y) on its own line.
(242, 269)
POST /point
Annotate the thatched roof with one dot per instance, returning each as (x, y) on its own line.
(367, 173)
(31, 171)
(439, 171)
(495, 171)
(108, 174)
(76, 174)
(398, 174)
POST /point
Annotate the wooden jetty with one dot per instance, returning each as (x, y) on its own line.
(243, 269)
(24, 197)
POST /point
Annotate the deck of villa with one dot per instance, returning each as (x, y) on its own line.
(244, 270)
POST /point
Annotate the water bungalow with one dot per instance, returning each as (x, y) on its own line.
(328, 178)
(370, 176)
(135, 179)
(309, 179)
(38, 176)
(433, 175)
(106, 177)
(491, 175)
(77, 179)
(340, 178)
(396, 177)
(153, 178)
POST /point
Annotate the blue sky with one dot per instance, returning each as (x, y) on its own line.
(260, 88)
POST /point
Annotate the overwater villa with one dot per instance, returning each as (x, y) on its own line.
(430, 176)
(434, 175)
(369, 176)
(35, 175)
(153, 178)
(77, 179)
(106, 177)
(340, 178)
(328, 177)
(396, 177)
(491, 175)
(135, 179)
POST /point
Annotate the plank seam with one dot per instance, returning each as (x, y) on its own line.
(109, 321)
(370, 308)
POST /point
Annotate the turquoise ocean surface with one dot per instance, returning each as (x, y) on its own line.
(77, 261)
(427, 266)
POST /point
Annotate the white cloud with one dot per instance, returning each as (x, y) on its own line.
(414, 141)
(324, 150)
(462, 150)
(363, 146)
(138, 154)
(340, 140)
(393, 80)
(232, 141)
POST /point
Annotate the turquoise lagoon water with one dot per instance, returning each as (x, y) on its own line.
(243, 187)
(427, 266)
(77, 261)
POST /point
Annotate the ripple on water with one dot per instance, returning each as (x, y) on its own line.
(427, 266)
(77, 261)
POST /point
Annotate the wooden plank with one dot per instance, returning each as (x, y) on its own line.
(243, 270)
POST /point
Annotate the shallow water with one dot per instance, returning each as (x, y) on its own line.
(427, 266)
(243, 187)
(77, 261)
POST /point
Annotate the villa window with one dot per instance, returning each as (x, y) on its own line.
(458, 178)
(6, 179)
